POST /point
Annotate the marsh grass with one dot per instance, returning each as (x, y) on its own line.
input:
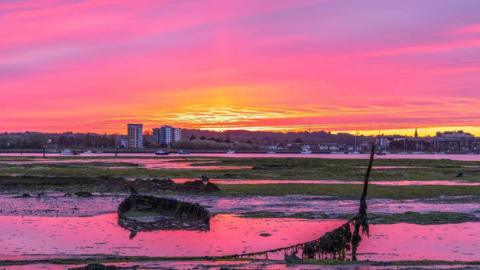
(268, 168)
(350, 191)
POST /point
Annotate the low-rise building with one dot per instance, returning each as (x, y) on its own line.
(332, 147)
(454, 142)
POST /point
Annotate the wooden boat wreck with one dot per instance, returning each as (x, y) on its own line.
(147, 213)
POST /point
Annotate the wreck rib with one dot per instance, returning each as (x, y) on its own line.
(334, 244)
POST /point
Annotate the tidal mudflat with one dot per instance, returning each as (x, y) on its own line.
(55, 215)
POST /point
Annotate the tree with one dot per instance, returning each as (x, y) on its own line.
(298, 140)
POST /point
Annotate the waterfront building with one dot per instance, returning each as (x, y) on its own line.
(454, 142)
(167, 135)
(135, 135)
(329, 147)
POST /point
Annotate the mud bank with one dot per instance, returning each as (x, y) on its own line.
(311, 207)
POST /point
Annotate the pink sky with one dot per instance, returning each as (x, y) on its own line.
(365, 66)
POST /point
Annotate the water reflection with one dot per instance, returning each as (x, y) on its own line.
(450, 242)
(121, 163)
(59, 236)
(460, 157)
(30, 237)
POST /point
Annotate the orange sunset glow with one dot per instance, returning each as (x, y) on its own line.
(363, 66)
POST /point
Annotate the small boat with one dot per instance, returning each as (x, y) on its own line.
(88, 152)
(183, 152)
(306, 151)
(230, 152)
(271, 152)
(161, 153)
(381, 154)
(67, 152)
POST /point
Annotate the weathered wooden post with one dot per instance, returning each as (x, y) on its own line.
(361, 220)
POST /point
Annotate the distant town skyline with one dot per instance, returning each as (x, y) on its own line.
(341, 66)
(147, 130)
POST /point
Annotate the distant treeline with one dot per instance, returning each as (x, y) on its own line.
(36, 140)
(270, 138)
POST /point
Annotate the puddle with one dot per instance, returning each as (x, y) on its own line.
(44, 237)
(334, 182)
(26, 237)
(149, 163)
(449, 242)
(241, 265)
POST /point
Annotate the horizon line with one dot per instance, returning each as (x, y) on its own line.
(406, 132)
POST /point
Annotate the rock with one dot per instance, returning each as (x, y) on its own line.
(150, 185)
(291, 258)
(97, 266)
(212, 187)
(195, 184)
(132, 190)
(83, 194)
(26, 195)
(201, 185)
(155, 184)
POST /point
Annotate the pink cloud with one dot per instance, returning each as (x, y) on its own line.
(94, 65)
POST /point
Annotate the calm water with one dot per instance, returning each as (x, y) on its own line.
(149, 163)
(24, 237)
(34, 237)
(462, 157)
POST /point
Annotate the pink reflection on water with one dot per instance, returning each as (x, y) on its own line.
(426, 183)
(102, 235)
(449, 242)
(460, 157)
(149, 163)
(30, 237)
